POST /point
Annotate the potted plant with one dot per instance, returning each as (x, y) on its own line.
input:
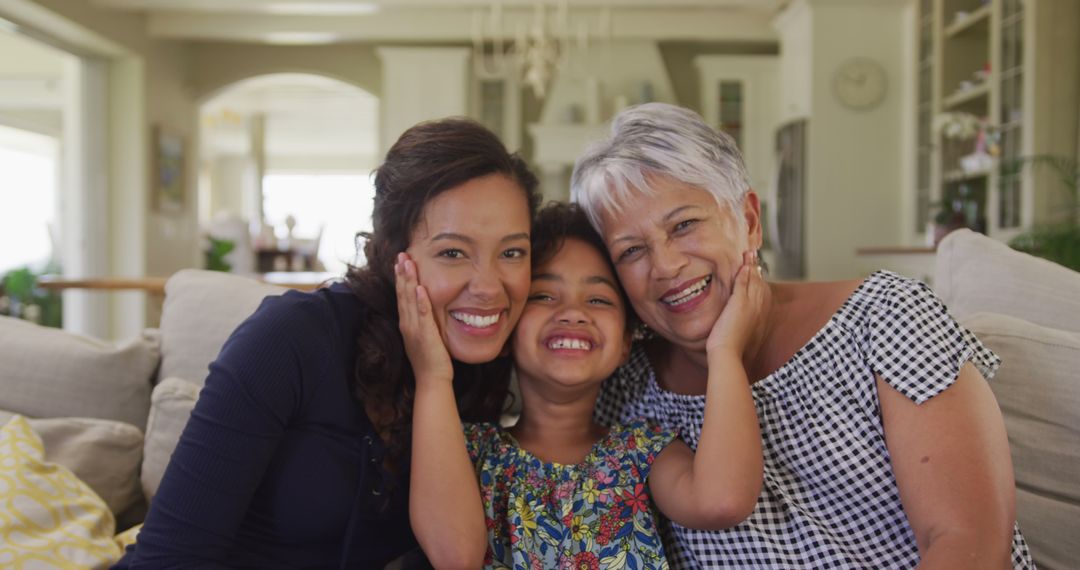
(1058, 240)
(21, 297)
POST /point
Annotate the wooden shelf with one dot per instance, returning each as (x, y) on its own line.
(960, 98)
(978, 16)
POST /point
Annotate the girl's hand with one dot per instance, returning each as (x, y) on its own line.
(745, 306)
(423, 343)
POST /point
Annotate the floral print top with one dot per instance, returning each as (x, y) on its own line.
(594, 515)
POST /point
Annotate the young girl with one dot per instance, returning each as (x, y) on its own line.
(557, 489)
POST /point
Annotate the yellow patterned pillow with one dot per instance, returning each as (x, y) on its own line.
(48, 517)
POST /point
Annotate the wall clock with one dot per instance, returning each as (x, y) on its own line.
(860, 84)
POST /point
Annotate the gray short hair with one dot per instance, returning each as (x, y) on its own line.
(657, 139)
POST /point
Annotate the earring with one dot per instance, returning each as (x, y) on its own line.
(763, 268)
(642, 332)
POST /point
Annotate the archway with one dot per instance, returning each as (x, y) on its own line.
(285, 170)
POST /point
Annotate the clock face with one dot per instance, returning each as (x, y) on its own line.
(860, 84)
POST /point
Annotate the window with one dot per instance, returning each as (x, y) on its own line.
(329, 207)
(27, 198)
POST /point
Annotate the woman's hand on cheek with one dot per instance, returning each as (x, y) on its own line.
(744, 307)
(423, 343)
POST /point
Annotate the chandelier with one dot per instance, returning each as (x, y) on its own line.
(544, 44)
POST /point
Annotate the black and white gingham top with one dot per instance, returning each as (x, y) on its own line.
(829, 498)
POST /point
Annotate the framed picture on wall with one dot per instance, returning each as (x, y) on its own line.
(169, 163)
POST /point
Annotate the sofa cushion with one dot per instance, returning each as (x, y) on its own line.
(51, 519)
(974, 273)
(1038, 390)
(171, 405)
(49, 373)
(102, 453)
(202, 308)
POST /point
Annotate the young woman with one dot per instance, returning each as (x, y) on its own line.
(884, 447)
(297, 452)
(557, 489)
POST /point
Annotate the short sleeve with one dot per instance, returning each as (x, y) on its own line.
(479, 439)
(915, 345)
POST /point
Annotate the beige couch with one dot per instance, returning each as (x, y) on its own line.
(1026, 309)
(113, 414)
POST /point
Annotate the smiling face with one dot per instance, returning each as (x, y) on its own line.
(573, 330)
(471, 248)
(677, 251)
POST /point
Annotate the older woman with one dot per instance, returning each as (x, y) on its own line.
(884, 447)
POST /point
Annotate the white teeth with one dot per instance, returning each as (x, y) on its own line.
(569, 343)
(688, 293)
(476, 321)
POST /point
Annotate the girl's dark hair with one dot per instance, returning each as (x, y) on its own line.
(558, 222)
(427, 160)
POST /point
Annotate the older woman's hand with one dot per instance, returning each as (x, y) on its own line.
(744, 308)
(423, 343)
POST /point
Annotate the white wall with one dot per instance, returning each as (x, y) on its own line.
(796, 30)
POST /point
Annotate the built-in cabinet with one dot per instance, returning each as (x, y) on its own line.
(994, 78)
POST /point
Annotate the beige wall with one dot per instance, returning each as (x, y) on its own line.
(854, 170)
(172, 238)
(855, 173)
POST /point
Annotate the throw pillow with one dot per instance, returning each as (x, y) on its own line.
(51, 373)
(170, 407)
(1039, 393)
(975, 273)
(102, 453)
(50, 519)
(202, 308)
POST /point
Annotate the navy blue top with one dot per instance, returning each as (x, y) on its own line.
(278, 466)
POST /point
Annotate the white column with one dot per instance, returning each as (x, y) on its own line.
(128, 196)
(85, 195)
(421, 84)
(255, 169)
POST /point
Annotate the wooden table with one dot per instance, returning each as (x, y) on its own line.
(305, 281)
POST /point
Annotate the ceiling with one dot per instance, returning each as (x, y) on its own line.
(329, 21)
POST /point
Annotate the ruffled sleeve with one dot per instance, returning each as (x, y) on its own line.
(915, 345)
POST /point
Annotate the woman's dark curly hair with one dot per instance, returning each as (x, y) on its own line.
(558, 222)
(427, 160)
